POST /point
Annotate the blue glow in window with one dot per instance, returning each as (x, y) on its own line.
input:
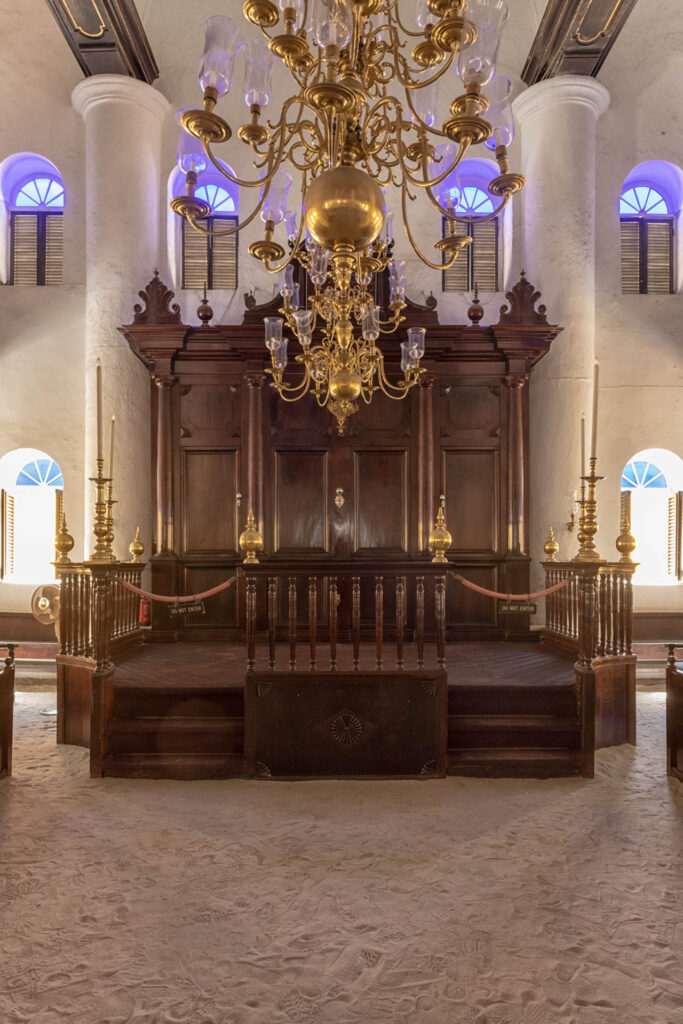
(40, 471)
(642, 201)
(474, 202)
(42, 191)
(642, 474)
(218, 198)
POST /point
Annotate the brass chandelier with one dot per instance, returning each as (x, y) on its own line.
(348, 136)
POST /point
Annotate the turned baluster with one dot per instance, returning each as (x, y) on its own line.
(333, 623)
(355, 621)
(618, 583)
(628, 613)
(88, 616)
(251, 622)
(312, 618)
(292, 623)
(272, 620)
(564, 607)
(379, 619)
(420, 620)
(67, 613)
(602, 639)
(440, 616)
(400, 618)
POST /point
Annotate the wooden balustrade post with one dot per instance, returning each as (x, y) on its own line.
(379, 619)
(255, 381)
(103, 620)
(312, 619)
(355, 621)
(333, 623)
(583, 669)
(425, 462)
(292, 622)
(515, 383)
(420, 620)
(251, 622)
(628, 608)
(440, 616)
(400, 618)
(272, 620)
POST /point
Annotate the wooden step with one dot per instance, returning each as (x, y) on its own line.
(175, 735)
(466, 731)
(520, 762)
(175, 766)
(500, 699)
(178, 702)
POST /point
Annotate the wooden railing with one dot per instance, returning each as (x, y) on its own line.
(6, 709)
(611, 624)
(80, 636)
(332, 607)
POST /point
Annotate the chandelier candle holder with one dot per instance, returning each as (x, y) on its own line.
(361, 117)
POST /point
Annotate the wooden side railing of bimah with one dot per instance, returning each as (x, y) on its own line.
(315, 603)
(674, 714)
(98, 626)
(593, 614)
(6, 708)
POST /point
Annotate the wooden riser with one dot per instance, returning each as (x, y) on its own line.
(174, 735)
(494, 763)
(505, 731)
(176, 702)
(175, 766)
(558, 700)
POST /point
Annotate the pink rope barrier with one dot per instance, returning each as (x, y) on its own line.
(508, 597)
(184, 599)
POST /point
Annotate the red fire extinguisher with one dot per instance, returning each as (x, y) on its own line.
(144, 617)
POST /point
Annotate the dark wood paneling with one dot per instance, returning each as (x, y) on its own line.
(210, 486)
(381, 501)
(470, 615)
(470, 479)
(210, 414)
(657, 627)
(21, 626)
(470, 411)
(221, 609)
(300, 521)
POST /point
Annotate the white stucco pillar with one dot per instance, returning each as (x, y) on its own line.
(123, 119)
(557, 120)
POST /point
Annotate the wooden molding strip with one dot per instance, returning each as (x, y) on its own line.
(106, 37)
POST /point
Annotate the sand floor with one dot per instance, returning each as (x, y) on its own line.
(443, 902)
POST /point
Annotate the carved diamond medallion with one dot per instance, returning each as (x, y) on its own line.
(346, 728)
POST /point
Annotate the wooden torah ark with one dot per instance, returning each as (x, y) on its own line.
(224, 442)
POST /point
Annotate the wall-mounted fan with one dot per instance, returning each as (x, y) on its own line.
(45, 605)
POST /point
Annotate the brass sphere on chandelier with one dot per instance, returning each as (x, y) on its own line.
(344, 208)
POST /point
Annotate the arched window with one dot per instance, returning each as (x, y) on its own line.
(477, 264)
(647, 227)
(36, 254)
(654, 480)
(211, 259)
(31, 489)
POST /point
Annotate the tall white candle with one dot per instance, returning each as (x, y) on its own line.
(594, 423)
(583, 446)
(99, 410)
(111, 450)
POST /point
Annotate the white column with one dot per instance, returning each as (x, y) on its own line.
(557, 120)
(123, 119)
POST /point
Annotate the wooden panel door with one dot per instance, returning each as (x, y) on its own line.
(210, 484)
(470, 480)
(381, 502)
(300, 502)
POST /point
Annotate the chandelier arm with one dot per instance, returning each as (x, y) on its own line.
(406, 226)
(426, 182)
(406, 31)
(407, 84)
(229, 231)
(292, 255)
(395, 391)
(238, 181)
(291, 394)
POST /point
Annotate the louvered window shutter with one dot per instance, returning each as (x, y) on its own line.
(24, 248)
(6, 535)
(54, 248)
(659, 246)
(478, 263)
(224, 255)
(484, 256)
(671, 536)
(630, 257)
(195, 258)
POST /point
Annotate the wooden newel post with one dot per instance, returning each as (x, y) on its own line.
(583, 669)
(102, 611)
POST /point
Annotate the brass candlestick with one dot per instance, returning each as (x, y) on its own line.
(589, 517)
(102, 552)
(110, 521)
(626, 542)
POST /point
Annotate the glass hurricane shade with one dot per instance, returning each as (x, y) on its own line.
(276, 200)
(416, 341)
(222, 41)
(287, 282)
(370, 323)
(273, 328)
(423, 16)
(290, 224)
(332, 23)
(296, 5)
(303, 320)
(409, 359)
(499, 114)
(319, 260)
(190, 155)
(387, 232)
(258, 71)
(477, 62)
(447, 192)
(426, 103)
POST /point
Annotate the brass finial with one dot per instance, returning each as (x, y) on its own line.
(626, 542)
(136, 548)
(476, 310)
(64, 542)
(440, 539)
(551, 547)
(588, 524)
(251, 541)
(204, 310)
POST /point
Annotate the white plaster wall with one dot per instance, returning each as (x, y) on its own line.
(41, 329)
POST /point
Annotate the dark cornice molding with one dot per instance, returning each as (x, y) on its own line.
(106, 37)
(574, 37)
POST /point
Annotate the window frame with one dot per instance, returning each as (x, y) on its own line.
(219, 218)
(41, 241)
(469, 254)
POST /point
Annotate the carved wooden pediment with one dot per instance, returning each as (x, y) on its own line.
(522, 305)
(157, 309)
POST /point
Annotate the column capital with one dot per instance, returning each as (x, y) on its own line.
(104, 89)
(516, 380)
(575, 90)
